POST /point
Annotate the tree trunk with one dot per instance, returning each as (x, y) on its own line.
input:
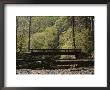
(29, 33)
(73, 32)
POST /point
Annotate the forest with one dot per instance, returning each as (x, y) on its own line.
(55, 32)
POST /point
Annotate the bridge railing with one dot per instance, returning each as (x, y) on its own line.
(55, 51)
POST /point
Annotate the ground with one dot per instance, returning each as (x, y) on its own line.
(80, 70)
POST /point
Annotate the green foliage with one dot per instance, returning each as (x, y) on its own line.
(66, 39)
(82, 40)
(44, 40)
(51, 32)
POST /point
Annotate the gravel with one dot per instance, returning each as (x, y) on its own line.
(81, 70)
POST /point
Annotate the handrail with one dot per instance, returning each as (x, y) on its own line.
(55, 51)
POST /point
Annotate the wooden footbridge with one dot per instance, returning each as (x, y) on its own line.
(51, 60)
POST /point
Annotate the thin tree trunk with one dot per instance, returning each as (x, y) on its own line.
(16, 32)
(92, 30)
(29, 33)
(73, 32)
(92, 23)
